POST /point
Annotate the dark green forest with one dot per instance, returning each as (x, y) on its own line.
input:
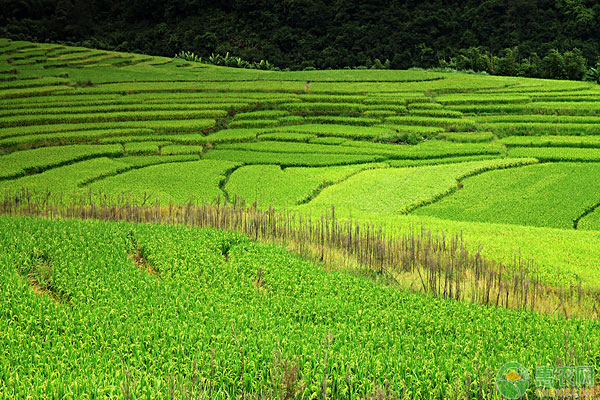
(536, 38)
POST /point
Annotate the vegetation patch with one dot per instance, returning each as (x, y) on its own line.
(175, 149)
(402, 190)
(270, 185)
(197, 281)
(38, 273)
(38, 160)
(524, 196)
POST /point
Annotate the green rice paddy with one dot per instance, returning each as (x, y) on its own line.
(111, 309)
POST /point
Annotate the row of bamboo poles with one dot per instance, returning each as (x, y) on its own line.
(436, 264)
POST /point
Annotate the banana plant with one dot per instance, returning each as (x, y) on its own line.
(188, 56)
(216, 59)
(593, 74)
(227, 60)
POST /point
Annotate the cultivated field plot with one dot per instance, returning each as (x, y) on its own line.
(510, 165)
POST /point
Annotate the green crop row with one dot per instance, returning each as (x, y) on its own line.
(78, 56)
(328, 140)
(556, 153)
(420, 129)
(567, 108)
(492, 108)
(584, 97)
(467, 137)
(66, 50)
(381, 100)
(314, 108)
(439, 161)
(552, 141)
(542, 88)
(24, 58)
(378, 113)
(131, 108)
(547, 108)
(351, 132)
(285, 159)
(234, 135)
(287, 136)
(175, 149)
(79, 99)
(322, 98)
(69, 137)
(35, 91)
(197, 97)
(15, 45)
(142, 147)
(146, 161)
(263, 114)
(334, 119)
(203, 86)
(98, 60)
(64, 100)
(555, 119)
(154, 116)
(62, 182)
(188, 138)
(480, 99)
(291, 120)
(167, 126)
(32, 83)
(429, 149)
(254, 123)
(425, 106)
(28, 61)
(455, 124)
(386, 107)
(436, 113)
(502, 129)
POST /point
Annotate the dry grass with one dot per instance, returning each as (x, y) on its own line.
(418, 261)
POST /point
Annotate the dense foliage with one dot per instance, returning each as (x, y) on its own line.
(163, 312)
(542, 38)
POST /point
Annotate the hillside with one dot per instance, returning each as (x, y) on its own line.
(500, 174)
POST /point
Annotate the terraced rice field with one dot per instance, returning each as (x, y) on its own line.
(510, 165)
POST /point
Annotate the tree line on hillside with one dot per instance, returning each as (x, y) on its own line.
(536, 38)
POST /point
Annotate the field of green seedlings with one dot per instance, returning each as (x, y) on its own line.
(232, 317)
(509, 165)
